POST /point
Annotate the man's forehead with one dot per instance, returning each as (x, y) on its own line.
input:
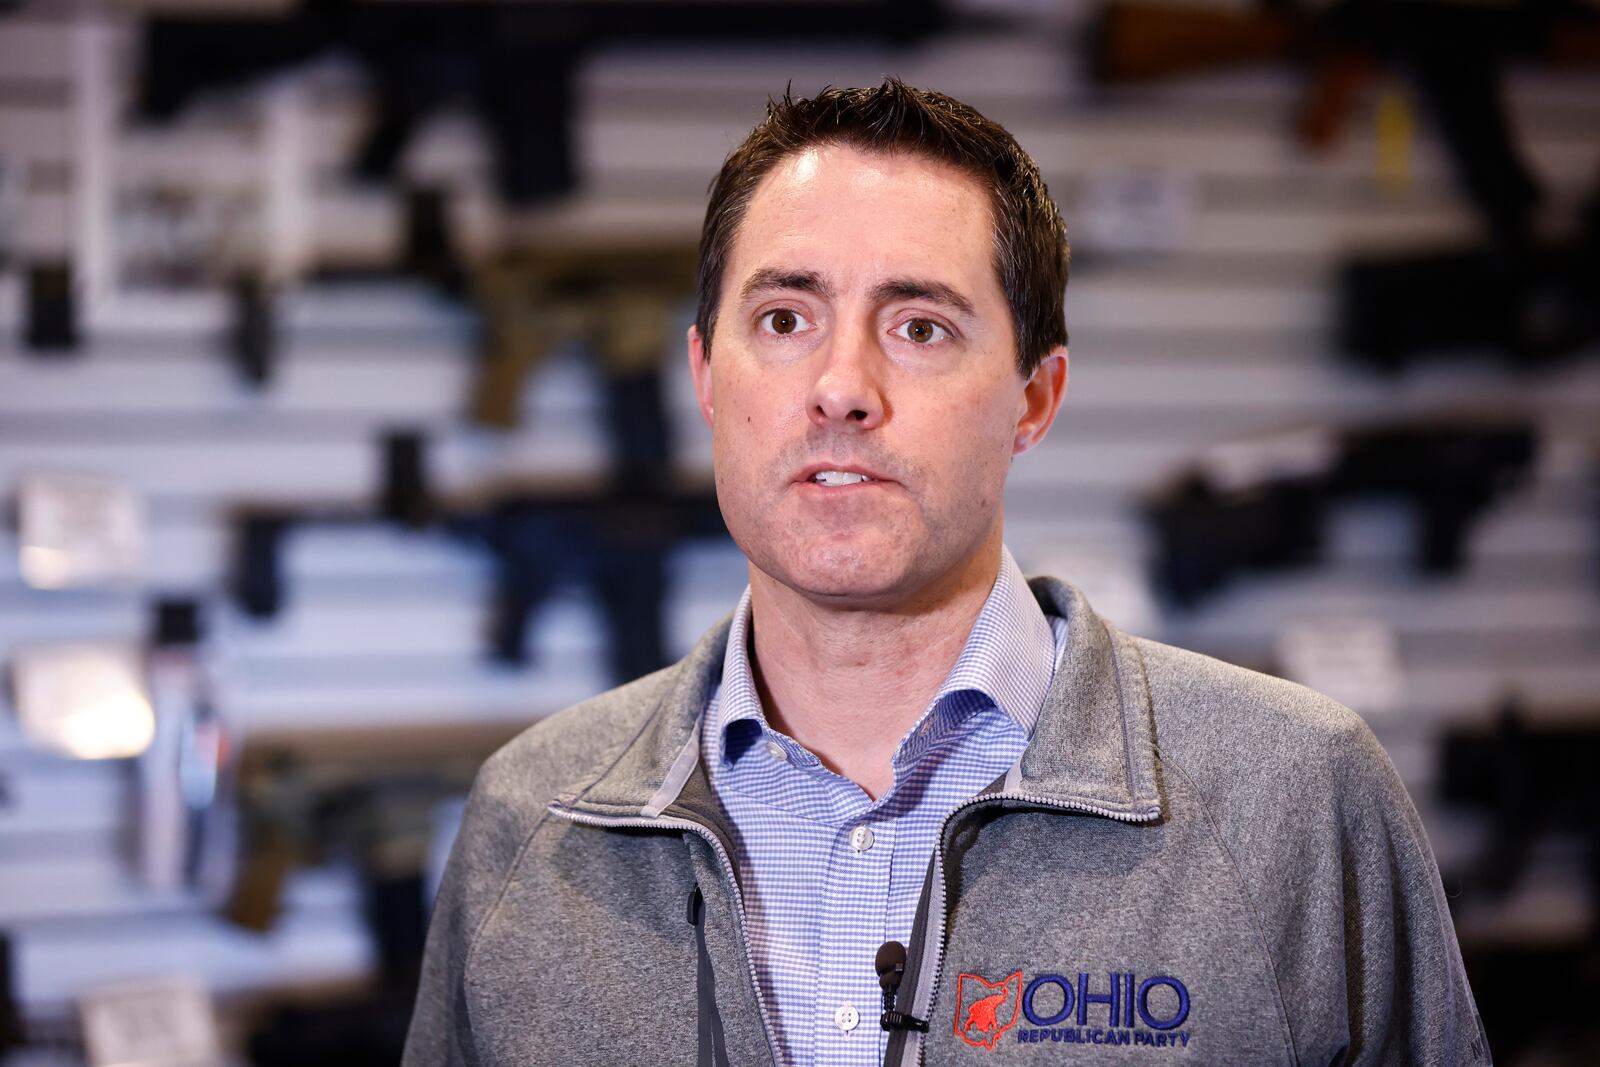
(835, 216)
(832, 167)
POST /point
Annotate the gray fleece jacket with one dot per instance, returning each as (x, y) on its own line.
(1191, 862)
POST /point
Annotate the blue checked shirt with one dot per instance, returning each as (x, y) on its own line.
(827, 873)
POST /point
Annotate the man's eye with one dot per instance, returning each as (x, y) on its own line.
(921, 331)
(783, 321)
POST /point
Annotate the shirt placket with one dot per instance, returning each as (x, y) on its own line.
(856, 907)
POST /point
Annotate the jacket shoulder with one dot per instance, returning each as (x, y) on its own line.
(1231, 727)
(1323, 837)
(571, 746)
(508, 803)
(514, 787)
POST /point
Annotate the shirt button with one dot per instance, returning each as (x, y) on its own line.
(861, 838)
(776, 751)
(845, 1017)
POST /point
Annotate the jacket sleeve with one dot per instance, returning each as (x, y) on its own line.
(1407, 1000)
(481, 859)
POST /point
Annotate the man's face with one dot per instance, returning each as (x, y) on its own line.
(863, 332)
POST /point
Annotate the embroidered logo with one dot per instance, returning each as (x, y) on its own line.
(985, 1010)
(1110, 1008)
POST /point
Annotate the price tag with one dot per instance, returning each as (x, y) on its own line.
(166, 1022)
(1356, 661)
(1133, 210)
(78, 531)
(172, 237)
(1250, 462)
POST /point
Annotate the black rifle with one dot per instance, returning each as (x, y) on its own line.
(1448, 473)
(614, 539)
(513, 62)
(1532, 781)
(615, 544)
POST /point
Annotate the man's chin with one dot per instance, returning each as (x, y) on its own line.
(851, 575)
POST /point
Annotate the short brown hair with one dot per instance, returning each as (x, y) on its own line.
(1029, 237)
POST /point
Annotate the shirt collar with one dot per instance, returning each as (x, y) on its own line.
(1008, 660)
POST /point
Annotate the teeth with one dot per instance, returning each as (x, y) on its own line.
(839, 478)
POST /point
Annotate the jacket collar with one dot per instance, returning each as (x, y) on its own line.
(1092, 746)
(1094, 743)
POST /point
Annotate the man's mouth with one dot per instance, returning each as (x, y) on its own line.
(839, 478)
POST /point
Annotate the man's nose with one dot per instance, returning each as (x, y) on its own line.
(848, 390)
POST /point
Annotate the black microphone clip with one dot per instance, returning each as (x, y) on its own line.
(891, 967)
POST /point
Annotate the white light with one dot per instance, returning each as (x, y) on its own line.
(83, 701)
(46, 568)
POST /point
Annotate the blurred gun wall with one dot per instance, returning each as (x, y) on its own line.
(344, 432)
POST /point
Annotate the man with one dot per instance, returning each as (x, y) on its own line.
(1084, 840)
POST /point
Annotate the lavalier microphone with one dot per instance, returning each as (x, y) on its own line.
(891, 967)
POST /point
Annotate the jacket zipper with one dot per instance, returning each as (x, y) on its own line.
(912, 1052)
(662, 822)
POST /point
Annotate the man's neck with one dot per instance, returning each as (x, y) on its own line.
(848, 683)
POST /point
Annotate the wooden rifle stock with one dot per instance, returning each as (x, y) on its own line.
(1136, 42)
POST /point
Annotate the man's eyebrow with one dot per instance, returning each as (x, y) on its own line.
(920, 289)
(768, 280)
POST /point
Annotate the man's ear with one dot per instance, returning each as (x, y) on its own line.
(700, 372)
(1041, 400)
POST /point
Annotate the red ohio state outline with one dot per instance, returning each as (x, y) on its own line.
(1016, 1007)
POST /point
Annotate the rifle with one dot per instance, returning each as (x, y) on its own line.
(615, 543)
(1133, 42)
(373, 798)
(615, 539)
(1532, 781)
(1531, 307)
(1209, 528)
(513, 62)
(619, 300)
